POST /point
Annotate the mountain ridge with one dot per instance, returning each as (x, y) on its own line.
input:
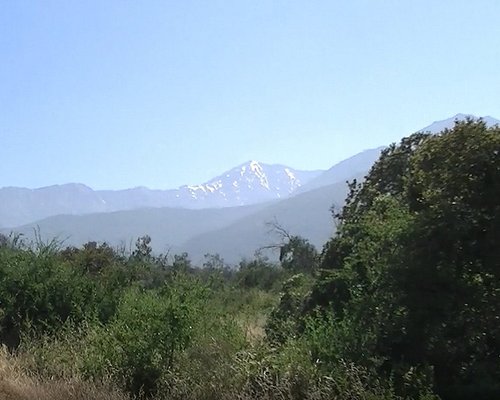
(234, 232)
(249, 183)
(438, 126)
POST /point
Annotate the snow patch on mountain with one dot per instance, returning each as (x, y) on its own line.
(249, 183)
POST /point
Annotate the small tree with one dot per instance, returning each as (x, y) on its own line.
(296, 254)
(143, 248)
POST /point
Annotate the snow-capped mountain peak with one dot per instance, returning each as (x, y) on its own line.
(250, 182)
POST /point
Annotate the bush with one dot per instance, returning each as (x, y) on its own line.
(144, 338)
(40, 293)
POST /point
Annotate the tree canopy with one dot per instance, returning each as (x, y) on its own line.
(415, 264)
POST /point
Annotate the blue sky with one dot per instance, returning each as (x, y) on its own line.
(117, 94)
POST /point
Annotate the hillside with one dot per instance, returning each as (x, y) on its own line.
(234, 232)
(307, 214)
(358, 164)
(168, 227)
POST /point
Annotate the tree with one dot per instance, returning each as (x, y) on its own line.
(296, 254)
(258, 273)
(143, 248)
(450, 281)
(415, 261)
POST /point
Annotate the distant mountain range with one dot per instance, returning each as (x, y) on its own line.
(247, 184)
(229, 214)
(271, 194)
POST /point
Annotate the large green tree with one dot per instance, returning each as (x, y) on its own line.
(415, 265)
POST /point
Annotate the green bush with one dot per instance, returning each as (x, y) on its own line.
(146, 335)
(38, 292)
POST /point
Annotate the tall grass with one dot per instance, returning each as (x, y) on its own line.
(17, 383)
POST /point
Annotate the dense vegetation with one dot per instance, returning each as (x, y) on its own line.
(403, 302)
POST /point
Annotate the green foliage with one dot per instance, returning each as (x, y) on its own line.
(298, 255)
(258, 273)
(147, 332)
(450, 281)
(285, 319)
(169, 331)
(93, 258)
(414, 265)
(40, 293)
(143, 248)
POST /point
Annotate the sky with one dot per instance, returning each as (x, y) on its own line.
(118, 94)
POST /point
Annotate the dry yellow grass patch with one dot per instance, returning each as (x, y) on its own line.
(254, 329)
(17, 384)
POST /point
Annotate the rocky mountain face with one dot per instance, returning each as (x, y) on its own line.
(249, 183)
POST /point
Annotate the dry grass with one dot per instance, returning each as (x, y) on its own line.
(225, 380)
(17, 384)
(254, 328)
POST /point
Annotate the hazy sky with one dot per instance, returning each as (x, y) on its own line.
(118, 94)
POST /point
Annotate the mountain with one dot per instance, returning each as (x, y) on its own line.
(233, 232)
(246, 184)
(20, 205)
(357, 165)
(307, 214)
(438, 126)
(251, 183)
(299, 201)
(360, 163)
(168, 227)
